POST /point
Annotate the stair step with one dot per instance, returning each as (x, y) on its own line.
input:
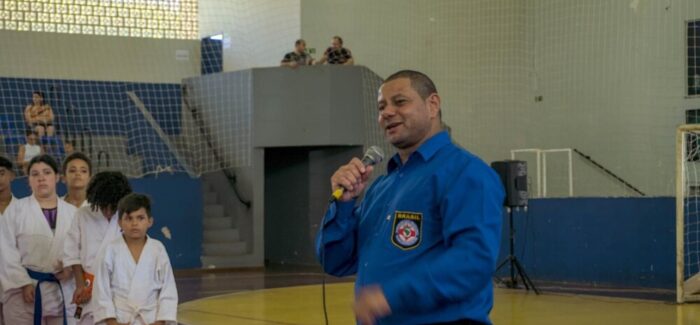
(211, 198)
(225, 249)
(213, 211)
(222, 236)
(212, 262)
(218, 223)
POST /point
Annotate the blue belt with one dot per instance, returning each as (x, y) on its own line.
(44, 277)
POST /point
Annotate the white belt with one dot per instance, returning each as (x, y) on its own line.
(135, 311)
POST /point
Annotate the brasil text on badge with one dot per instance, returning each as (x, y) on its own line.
(406, 232)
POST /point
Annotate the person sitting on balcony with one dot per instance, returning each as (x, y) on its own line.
(336, 53)
(298, 56)
(39, 115)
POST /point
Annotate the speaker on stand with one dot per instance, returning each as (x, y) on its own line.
(513, 174)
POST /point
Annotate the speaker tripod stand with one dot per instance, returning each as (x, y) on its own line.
(512, 260)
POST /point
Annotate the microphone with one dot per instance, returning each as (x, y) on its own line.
(373, 156)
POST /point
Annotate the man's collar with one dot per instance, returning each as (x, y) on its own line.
(426, 150)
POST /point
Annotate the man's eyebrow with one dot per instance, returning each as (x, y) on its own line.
(398, 95)
(392, 97)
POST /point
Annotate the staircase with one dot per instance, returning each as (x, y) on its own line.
(110, 153)
(222, 244)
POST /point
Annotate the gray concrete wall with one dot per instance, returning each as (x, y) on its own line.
(283, 132)
(319, 105)
(297, 188)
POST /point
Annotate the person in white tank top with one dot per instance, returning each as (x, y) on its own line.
(29, 150)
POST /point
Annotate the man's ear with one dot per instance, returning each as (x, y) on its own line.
(433, 102)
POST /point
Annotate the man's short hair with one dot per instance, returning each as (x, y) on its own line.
(420, 82)
(6, 163)
(133, 202)
(299, 41)
(79, 156)
(339, 39)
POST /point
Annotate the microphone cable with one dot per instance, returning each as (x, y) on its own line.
(323, 262)
(372, 156)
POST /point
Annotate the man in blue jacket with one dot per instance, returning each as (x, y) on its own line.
(425, 238)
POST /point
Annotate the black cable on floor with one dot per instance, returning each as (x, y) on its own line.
(323, 293)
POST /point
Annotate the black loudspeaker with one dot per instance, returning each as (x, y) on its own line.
(513, 174)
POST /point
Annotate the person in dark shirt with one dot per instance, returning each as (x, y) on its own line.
(337, 54)
(298, 56)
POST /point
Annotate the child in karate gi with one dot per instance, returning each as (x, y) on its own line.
(134, 283)
(93, 228)
(7, 200)
(32, 233)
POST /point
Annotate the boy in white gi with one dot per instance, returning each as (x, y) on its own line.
(93, 228)
(134, 283)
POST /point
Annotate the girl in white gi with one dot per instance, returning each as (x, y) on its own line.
(77, 169)
(7, 200)
(31, 247)
(93, 228)
(134, 283)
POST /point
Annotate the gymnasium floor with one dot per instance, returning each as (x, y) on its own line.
(293, 297)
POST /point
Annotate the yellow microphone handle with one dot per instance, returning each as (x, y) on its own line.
(337, 194)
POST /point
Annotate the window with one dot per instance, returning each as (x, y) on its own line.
(174, 19)
(693, 43)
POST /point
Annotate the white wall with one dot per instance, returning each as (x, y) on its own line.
(611, 75)
(85, 57)
(475, 51)
(258, 32)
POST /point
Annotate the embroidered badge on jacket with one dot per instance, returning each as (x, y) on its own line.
(406, 232)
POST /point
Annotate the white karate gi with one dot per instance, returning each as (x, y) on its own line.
(84, 204)
(135, 293)
(89, 233)
(27, 242)
(13, 202)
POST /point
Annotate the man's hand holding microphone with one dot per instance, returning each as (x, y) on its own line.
(350, 180)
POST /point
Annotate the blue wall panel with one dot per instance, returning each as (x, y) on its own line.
(212, 55)
(177, 204)
(618, 242)
(99, 108)
(77, 102)
(621, 242)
